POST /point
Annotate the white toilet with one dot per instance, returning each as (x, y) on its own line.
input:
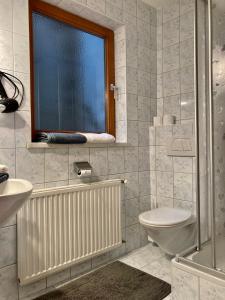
(173, 229)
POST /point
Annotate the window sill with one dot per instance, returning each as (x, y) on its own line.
(39, 145)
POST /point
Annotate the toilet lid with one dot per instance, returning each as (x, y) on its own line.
(164, 216)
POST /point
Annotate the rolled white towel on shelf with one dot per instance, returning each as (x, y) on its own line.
(99, 138)
(3, 169)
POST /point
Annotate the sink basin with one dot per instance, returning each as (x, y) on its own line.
(13, 193)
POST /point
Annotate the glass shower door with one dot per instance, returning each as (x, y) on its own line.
(218, 102)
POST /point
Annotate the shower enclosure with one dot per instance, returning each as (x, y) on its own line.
(210, 139)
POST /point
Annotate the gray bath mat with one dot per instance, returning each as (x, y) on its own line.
(115, 281)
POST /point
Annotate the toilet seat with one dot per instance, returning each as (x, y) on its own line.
(164, 217)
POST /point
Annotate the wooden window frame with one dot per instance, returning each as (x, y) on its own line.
(87, 26)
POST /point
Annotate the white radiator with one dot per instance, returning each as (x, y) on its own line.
(62, 226)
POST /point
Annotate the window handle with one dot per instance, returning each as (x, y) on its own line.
(114, 89)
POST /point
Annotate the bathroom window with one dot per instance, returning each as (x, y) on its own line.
(72, 68)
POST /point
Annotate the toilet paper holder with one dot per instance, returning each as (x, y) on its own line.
(82, 168)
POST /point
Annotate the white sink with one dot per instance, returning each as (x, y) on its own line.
(13, 193)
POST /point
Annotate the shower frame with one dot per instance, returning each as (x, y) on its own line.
(182, 257)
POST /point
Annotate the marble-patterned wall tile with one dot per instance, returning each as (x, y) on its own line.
(132, 133)
(152, 158)
(7, 130)
(75, 8)
(22, 128)
(143, 84)
(153, 58)
(183, 130)
(59, 277)
(165, 201)
(143, 108)
(172, 106)
(29, 290)
(6, 54)
(99, 260)
(152, 136)
(120, 53)
(187, 53)
(153, 85)
(187, 205)
(171, 10)
(143, 137)
(171, 82)
(132, 53)
(132, 107)
(30, 164)
(143, 158)
(164, 184)
(132, 80)
(20, 16)
(6, 15)
(8, 158)
(130, 6)
(114, 12)
(183, 164)
(132, 237)
(56, 164)
(187, 26)
(171, 32)
(186, 5)
(153, 110)
(171, 58)
(153, 38)
(160, 91)
(8, 246)
(183, 186)
(187, 106)
(25, 78)
(98, 161)
(8, 286)
(98, 5)
(160, 107)
(143, 34)
(144, 183)
(21, 53)
(159, 62)
(144, 58)
(132, 187)
(80, 268)
(153, 183)
(115, 160)
(144, 203)
(187, 79)
(163, 161)
(163, 135)
(131, 159)
(132, 211)
(143, 11)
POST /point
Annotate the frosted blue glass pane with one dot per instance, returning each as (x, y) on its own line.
(69, 77)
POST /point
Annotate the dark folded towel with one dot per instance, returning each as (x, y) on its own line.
(4, 177)
(61, 138)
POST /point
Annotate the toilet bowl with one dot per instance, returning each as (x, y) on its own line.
(173, 229)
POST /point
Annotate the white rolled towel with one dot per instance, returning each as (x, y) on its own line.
(3, 169)
(96, 138)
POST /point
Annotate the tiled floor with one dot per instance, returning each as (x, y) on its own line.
(152, 260)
